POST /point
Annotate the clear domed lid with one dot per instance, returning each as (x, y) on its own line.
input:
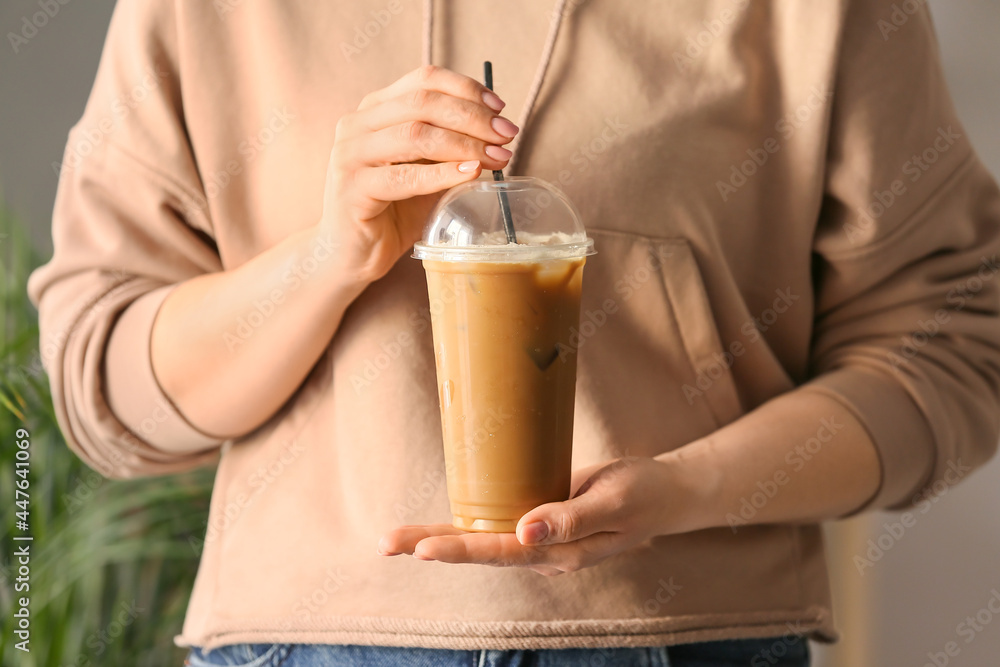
(468, 225)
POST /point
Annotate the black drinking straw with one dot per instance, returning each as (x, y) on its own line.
(508, 222)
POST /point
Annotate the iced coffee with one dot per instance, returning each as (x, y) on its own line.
(506, 381)
(501, 318)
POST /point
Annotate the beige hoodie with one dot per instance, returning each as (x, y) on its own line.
(782, 200)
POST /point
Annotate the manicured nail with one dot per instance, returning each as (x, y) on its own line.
(382, 551)
(498, 153)
(533, 533)
(418, 557)
(504, 127)
(492, 101)
(468, 167)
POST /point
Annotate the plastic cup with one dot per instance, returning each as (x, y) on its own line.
(501, 318)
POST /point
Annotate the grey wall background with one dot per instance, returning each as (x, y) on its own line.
(942, 570)
(43, 88)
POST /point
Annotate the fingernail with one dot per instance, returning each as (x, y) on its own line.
(504, 127)
(468, 167)
(418, 557)
(492, 101)
(533, 533)
(498, 152)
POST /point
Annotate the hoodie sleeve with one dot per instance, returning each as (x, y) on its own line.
(128, 225)
(906, 261)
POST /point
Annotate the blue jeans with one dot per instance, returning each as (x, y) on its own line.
(785, 651)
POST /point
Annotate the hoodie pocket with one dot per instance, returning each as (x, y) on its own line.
(653, 373)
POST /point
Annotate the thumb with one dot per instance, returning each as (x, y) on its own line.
(557, 523)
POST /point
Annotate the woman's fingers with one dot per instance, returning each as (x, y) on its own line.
(504, 550)
(591, 512)
(402, 181)
(497, 549)
(483, 548)
(443, 80)
(414, 141)
(435, 108)
(403, 540)
(430, 115)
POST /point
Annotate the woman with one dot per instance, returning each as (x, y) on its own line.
(793, 313)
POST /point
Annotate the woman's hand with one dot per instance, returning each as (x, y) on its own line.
(809, 449)
(430, 130)
(617, 505)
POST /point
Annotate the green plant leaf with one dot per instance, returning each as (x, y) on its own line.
(98, 544)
